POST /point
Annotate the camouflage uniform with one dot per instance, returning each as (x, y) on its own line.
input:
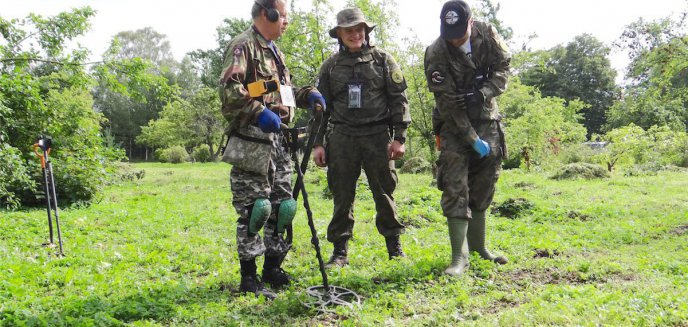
(467, 181)
(360, 137)
(248, 58)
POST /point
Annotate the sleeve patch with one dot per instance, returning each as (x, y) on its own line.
(437, 77)
(238, 51)
(397, 76)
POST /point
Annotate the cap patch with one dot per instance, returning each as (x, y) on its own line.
(451, 17)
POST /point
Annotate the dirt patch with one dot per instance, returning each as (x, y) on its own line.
(545, 253)
(525, 185)
(680, 230)
(578, 216)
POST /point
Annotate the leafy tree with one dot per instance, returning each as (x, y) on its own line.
(658, 90)
(44, 91)
(580, 70)
(135, 99)
(187, 122)
(538, 127)
(208, 63)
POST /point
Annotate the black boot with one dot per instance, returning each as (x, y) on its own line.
(339, 254)
(394, 247)
(273, 274)
(250, 282)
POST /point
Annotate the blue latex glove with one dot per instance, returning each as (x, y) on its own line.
(481, 147)
(268, 121)
(315, 97)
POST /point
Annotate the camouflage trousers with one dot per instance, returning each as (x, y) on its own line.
(247, 187)
(346, 155)
(468, 182)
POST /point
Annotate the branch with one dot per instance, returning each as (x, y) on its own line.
(50, 61)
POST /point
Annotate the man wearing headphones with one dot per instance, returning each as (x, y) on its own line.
(257, 96)
(368, 118)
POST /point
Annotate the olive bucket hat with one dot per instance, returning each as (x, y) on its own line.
(349, 17)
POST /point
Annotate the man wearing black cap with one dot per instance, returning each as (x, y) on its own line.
(466, 68)
(365, 91)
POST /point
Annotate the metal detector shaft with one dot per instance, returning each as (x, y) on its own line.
(300, 186)
(48, 205)
(54, 200)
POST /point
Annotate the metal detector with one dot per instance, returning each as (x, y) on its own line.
(320, 297)
(45, 143)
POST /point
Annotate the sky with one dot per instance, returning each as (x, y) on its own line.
(191, 24)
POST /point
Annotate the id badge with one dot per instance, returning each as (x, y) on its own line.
(287, 96)
(355, 96)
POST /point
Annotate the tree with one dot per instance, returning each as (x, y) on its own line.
(538, 127)
(187, 122)
(582, 71)
(658, 90)
(146, 95)
(44, 91)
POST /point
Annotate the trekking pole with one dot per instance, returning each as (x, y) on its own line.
(45, 144)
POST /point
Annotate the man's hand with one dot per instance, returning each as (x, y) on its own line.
(314, 97)
(268, 121)
(319, 156)
(481, 147)
(396, 150)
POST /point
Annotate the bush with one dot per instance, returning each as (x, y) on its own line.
(416, 165)
(201, 153)
(14, 175)
(175, 154)
(513, 208)
(581, 170)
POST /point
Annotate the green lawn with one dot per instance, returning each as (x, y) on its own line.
(161, 252)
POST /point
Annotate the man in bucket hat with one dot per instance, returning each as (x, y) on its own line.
(467, 68)
(366, 129)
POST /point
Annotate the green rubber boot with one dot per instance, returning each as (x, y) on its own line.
(476, 238)
(457, 237)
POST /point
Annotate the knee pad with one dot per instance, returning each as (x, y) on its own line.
(259, 215)
(287, 211)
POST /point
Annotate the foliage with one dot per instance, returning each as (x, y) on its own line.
(174, 154)
(580, 71)
(513, 208)
(44, 91)
(581, 170)
(187, 122)
(658, 92)
(201, 153)
(134, 83)
(161, 251)
(537, 127)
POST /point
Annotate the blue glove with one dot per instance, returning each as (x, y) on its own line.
(481, 147)
(268, 121)
(315, 97)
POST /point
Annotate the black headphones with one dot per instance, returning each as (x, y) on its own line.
(271, 13)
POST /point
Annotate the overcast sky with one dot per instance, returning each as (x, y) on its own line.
(190, 25)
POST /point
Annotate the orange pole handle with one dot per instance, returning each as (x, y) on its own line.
(35, 149)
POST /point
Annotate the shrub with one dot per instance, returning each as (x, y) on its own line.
(175, 154)
(581, 170)
(201, 153)
(416, 165)
(14, 175)
(513, 208)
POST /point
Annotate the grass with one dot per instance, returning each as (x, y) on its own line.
(161, 252)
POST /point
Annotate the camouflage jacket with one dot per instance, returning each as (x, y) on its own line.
(249, 58)
(383, 88)
(450, 73)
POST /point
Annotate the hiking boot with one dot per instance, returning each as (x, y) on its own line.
(394, 247)
(251, 283)
(273, 274)
(338, 258)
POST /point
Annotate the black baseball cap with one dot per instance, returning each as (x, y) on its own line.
(454, 19)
